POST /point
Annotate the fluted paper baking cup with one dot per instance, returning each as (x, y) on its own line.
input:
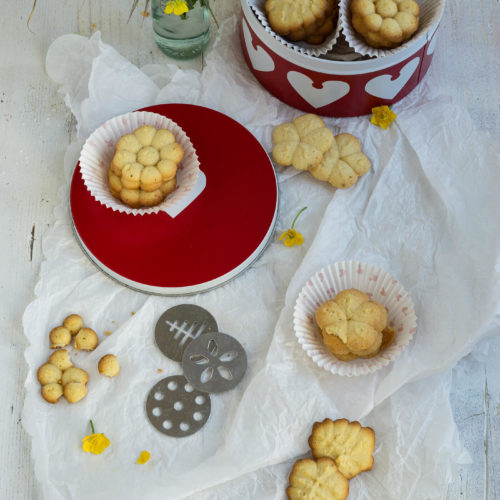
(430, 14)
(302, 47)
(99, 149)
(378, 285)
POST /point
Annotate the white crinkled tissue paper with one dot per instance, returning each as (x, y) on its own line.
(423, 213)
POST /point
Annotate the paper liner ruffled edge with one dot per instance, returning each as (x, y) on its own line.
(431, 12)
(377, 283)
(98, 151)
(257, 7)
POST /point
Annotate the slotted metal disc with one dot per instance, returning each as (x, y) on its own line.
(176, 408)
(215, 362)
(179, 326)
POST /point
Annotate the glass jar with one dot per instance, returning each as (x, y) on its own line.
(181, 37)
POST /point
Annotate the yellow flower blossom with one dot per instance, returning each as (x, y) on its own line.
(178, 7)
(143, 457)
(95, 443)
(291, 236)
(383, 116)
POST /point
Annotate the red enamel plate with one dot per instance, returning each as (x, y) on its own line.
(213, 239)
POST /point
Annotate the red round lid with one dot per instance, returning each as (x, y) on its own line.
(213, 239)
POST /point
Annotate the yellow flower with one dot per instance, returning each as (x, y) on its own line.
(143, 457)
(95, 443)
(292, 237)
(383, 116)
(178, 7)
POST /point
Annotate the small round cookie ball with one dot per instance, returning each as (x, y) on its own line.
(61, 359)
(109, 365)
(49, 374)
(52, 392)
(86, 340)
(73, 323)
(59, 337)
(75, 374)
(74, 392)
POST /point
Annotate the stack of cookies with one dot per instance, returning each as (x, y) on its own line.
(352, 325)
(142, 172)
(341, 450)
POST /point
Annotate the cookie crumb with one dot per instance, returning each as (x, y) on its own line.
(108, 332)
(132, 313)
(160, 370)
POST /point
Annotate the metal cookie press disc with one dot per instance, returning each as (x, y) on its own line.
(179, 326)
(215, 362)
(176, 408)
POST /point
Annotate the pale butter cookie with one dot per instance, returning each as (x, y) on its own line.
(288, 16)
(355, 319)
(385, 23)
(343, 163)
(74, 392)
(61, 359)
(317, 480)
(348, 443)
(301, 143)
(52, 392)
(109, 365)
(86, 340)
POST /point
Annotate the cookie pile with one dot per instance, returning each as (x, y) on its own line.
(142, 172)
(307, 144)
(352, 325)
(385, 23)
(58, 376)
(341, 450)
(308, 20)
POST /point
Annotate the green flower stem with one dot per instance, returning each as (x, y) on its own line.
(296, 217)
(92, 427)
(207, 4)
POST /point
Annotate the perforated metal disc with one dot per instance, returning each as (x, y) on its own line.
(179, 326)
(176, 408)
(215, 362)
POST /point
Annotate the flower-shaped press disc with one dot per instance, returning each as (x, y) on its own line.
(215, 362)
(180, 325)
(176, 408)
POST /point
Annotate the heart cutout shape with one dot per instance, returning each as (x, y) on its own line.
(330, 91)
(260, 59)
(385, 87)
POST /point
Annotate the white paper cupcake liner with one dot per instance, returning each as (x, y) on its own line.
(430, 14)
(99, 149)
(302, 47)
(375, 282)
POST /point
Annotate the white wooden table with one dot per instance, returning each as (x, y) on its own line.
(36, 127)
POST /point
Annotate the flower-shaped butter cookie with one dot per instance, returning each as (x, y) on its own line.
(347, 443)
(142, 172)
(355, 319)
(290, 16)
(301, 143)
(343, 163)
(317, 480)
(385, 23)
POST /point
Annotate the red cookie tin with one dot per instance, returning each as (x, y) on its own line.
(332, 88)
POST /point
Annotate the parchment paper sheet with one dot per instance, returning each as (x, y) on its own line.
(427, 212)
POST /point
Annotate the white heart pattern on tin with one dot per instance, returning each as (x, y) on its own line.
(260, 59)
(330, 91)
(385, 87)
